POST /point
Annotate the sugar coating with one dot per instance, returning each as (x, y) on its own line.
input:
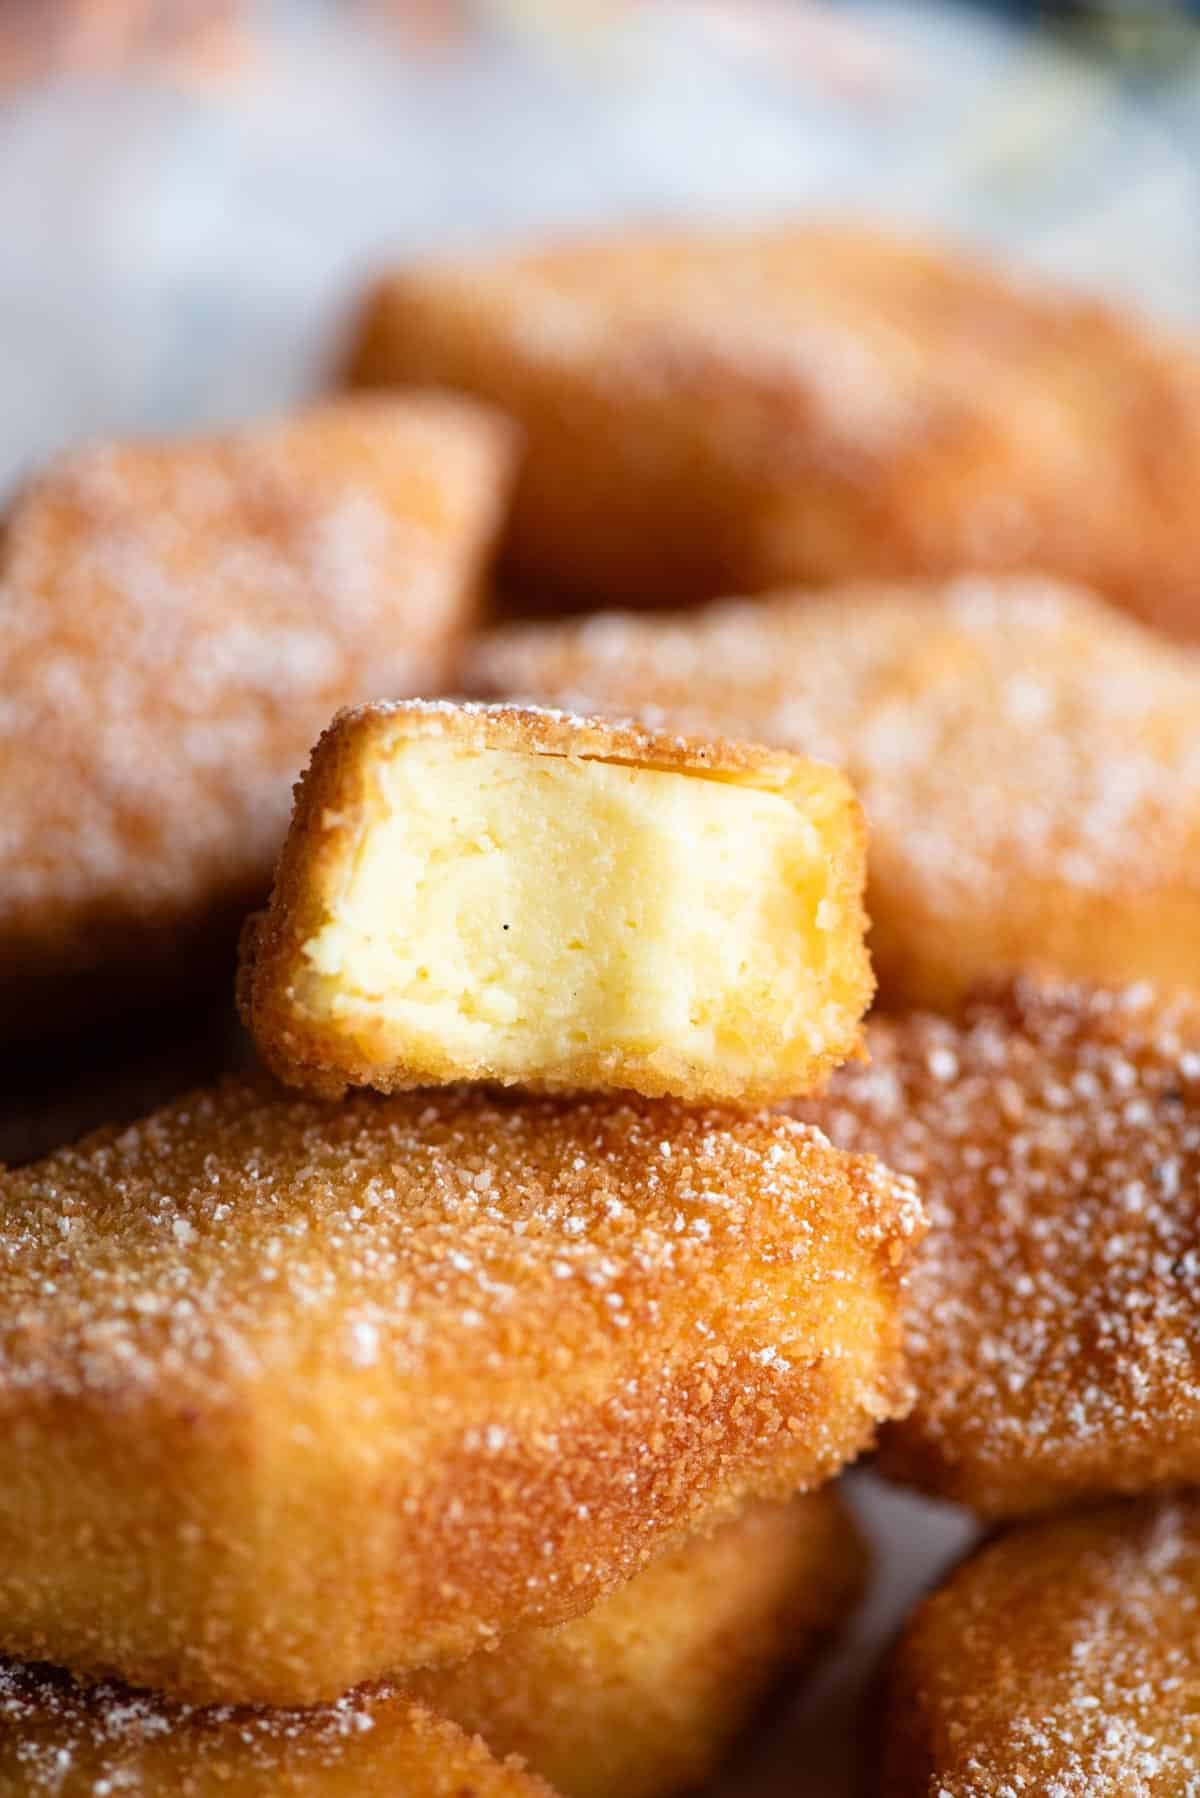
(1060, 1661)
(521, 1344)
(1028, 760)
(63, 1739)
(109, 1716)
(722, 410)
(1054, 1316)
(177, 621)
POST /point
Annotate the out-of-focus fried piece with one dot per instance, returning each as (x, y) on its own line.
(295, 1395)
(1062, 1658)
(177, 622)
(726, 412)
(1054, 1314)
(61, 1739)
(487, 893)
(1029, 761)
(645, 1693)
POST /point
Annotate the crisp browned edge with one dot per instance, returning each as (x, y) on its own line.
(329, 802)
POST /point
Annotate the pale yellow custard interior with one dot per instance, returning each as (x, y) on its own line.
(514, 913)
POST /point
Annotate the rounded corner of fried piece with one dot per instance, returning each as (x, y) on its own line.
(527, 896)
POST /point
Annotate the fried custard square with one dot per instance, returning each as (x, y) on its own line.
(728, 411)
(295, 1395)
(1061, 1658)
(1028, 760)
(646, 1693)
(640, 1696)
(1054, 1314)
(522, 896)
(178, 620)
(61, 1738)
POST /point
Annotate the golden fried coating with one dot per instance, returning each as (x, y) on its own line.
(1054, 1315)
(640, 1696)
(1028, 760)
(644, 1694)
(60, 1739)
(1062, 1660)
(481, 892)
(177, 622)
(727, 412)
(295, 1395)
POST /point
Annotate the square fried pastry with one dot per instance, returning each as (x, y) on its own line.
(1028, 760)
(516, 895)
(60, 1738)
(1061, 1660)
(723, 412)
(640, 1696)
(294, 1395)
(1054, 1314)
(177, 622)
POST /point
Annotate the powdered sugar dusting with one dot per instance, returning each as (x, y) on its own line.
(81, 1720)
(60, 1737)
(178, 622)
(1061, 1662)
(1055, 1311)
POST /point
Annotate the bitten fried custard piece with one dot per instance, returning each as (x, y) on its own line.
(295, 1395)
(1028, 760)
(645, 1693)
(1063, 1657)
(640, 1696)
(523, 896)
(62, 1739)
(723, 412)
(178, 620)
(1054, 1314)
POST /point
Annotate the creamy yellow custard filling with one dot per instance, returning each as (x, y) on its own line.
(521, 912)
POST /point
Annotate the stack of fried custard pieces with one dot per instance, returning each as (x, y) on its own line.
(450, 1403)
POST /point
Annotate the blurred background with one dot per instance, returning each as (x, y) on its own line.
(191, 191)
